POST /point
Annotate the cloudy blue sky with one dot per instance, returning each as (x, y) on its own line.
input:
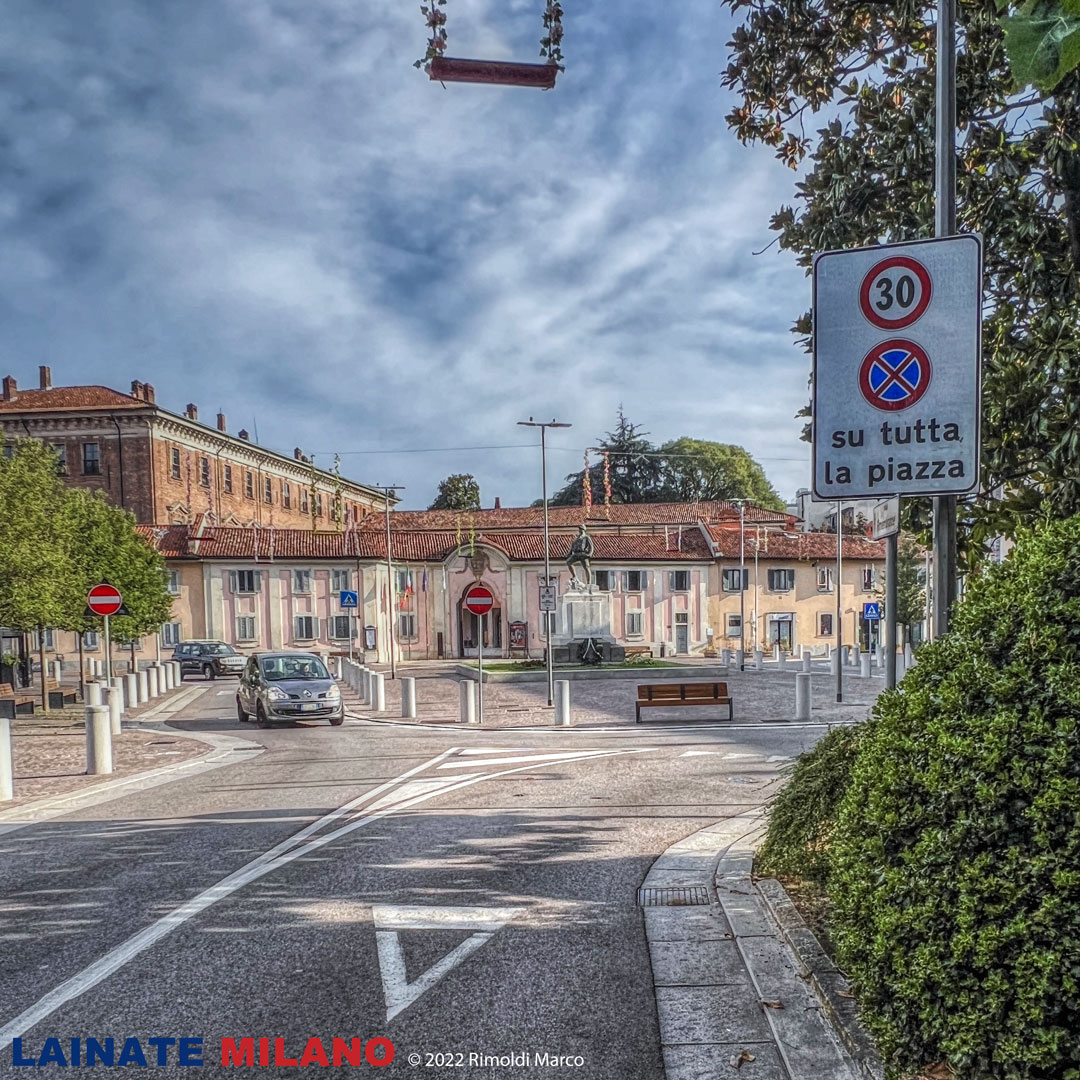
(260, 206)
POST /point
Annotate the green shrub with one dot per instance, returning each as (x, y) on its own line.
(802, 815)
(955, 886)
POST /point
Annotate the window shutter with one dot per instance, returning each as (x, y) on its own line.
(232, 581)
(257, 575)
(671, 580)
(314, 626)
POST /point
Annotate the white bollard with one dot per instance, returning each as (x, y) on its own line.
(57, 670)
(408, 698)
(807, 660)
(740, 659)
(781, 660)
(170, 676)
(901, 666)
(725, 657)
(131, 691)
(864, 665)
(380, 692)
(834, 661)
(117, 692)
(367, 687)
(856, 656)
(98, 740)
(909, 656)
(92, 693)
(759, 660)
(562, 703)
(468, 701)
(152, 681)
(110, 698)
(144, 686)
(776, 651)
(7, 776)
(803, 697)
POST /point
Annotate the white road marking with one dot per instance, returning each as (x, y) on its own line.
(560, 755)
(222, 693)
(281, 855)
(777, 757)
(389, 919)
(698, 753)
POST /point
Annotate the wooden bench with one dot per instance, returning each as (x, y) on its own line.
(59, 696)
(14, 702)
(673, 694)
(638, 650)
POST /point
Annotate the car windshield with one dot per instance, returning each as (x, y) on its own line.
(275, 668)
(218, 650)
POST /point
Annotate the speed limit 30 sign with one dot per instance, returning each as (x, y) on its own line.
(897, 332)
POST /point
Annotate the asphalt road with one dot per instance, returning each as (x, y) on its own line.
(456, 892)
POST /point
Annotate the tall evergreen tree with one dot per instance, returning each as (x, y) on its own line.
(457, 492)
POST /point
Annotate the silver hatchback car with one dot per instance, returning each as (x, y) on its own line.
(288, 686)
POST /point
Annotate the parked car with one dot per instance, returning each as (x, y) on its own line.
(288, 686)
(208, 658)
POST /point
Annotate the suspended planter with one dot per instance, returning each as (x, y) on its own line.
(444, 69)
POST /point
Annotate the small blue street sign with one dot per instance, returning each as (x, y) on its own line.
(871, 611)
(348, 598)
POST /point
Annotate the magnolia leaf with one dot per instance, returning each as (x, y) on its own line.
(1043, 42)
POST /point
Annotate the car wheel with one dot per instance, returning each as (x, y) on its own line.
(240, 714)
(260, 716)
(208, 671)
(337, 721)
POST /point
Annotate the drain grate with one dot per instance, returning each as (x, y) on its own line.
(687, 896)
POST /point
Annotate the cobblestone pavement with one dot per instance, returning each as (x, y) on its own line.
(760, 697)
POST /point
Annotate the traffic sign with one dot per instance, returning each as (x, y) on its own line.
(871, 611)
(348, 598)
(547, 597)
(886, 518)
(105, 600)
(479, 599)
(897, 414)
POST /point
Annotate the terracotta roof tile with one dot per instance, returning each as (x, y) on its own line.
(795, 546)
(69, 398)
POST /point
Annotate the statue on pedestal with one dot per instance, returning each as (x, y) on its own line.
(581, 553)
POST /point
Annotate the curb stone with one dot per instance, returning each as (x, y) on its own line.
(824, 976)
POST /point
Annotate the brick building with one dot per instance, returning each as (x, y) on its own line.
(168, 468)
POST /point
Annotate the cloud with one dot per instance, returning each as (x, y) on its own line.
(262, 205)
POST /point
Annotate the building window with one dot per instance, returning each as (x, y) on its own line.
(286, 495)
(635, 623)
(245, 627)
(43, 639)
(403, 582)
(604, 580)
(342, 631)
(91, 459)
(781, 580)
(301, 581)
(170, 633)
(90, 639)
(249, 484)
(60, 450)
(825, 580)
(825, 624)
(174, 462)
(733, 626)
(172, 578)
(268, 490)
(680, 580)
(730, 579)
(204, 471)
(318, 504)
(228, 479)
(869, 574)
(303, 501)
(635, 580)
(406, 626)
(304, 627)
(340, 580)
(245, 581)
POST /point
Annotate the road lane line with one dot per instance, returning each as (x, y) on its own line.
(555, 756)
(126, 951)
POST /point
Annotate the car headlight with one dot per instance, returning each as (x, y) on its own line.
(274, 694)
(333, 694)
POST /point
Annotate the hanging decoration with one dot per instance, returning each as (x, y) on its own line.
(607, 484)
(586, 485)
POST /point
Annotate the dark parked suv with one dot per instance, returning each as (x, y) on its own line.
(208, 658)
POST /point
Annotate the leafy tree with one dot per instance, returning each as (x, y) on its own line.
(457, 492)
(696, 470)
(871, 179)
(910, 584)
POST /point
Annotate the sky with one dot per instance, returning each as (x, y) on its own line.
(260, 206)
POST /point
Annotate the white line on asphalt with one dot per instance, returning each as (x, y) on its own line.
(699, 753)
(277, 857)
(561, 755)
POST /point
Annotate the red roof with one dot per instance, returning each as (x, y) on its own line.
(70, 398)
(794, 546)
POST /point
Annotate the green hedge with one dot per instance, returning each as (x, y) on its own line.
(955, 875)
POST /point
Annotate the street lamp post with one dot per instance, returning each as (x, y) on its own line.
(547, 544)
(388, 490)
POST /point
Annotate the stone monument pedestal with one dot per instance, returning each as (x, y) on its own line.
(580, 616)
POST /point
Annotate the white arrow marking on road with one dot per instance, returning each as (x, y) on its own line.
(389, 919)
(561, 755)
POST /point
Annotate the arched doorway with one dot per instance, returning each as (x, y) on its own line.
(469, 630)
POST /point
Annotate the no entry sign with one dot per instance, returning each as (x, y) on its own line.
(104, 600)
(479, 600)
(897, 333)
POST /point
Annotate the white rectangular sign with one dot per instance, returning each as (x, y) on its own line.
(887, 518)
(897, 343)
(547, 597)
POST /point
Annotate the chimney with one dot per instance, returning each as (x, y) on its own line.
(498, 503)
(11, 389)
(221, 421)
(192, 412)
(45, 377)
(148, 393)
(243, 435)
(136, 389)
(298, 453)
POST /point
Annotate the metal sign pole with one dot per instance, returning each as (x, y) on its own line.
(890, 610)
(108, 653)
(548, 660)
(839, 615)
(480, 681)
(945, 225)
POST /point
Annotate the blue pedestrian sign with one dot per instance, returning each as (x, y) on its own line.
(348, 598)
(871, 611)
